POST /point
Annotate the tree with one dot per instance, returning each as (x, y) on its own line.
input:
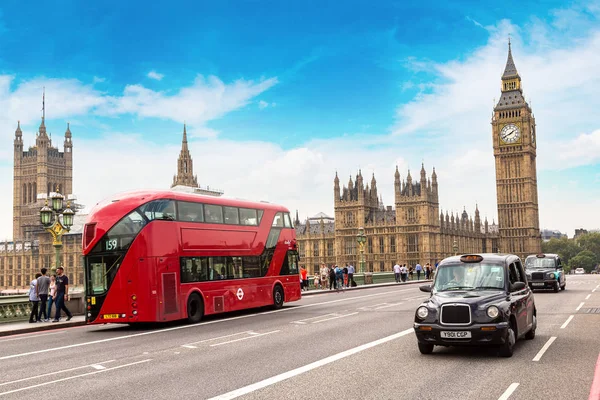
(585, 259)
(565, 248)
(590, 241)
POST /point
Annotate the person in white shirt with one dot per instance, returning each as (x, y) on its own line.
(397, 272)
(350, 275)
(34, 299)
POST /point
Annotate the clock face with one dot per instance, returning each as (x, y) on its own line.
(510, 133)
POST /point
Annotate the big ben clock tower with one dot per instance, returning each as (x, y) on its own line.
(514, 139)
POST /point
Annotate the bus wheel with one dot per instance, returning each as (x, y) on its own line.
(277, 297)
(195, 308)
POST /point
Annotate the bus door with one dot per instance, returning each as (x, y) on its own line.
(167, 269)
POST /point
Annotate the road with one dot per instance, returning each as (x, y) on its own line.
(351, 345)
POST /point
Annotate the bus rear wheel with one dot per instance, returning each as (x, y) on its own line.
(195, 308)
(277, 297)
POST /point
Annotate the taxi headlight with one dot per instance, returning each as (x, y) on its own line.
(422, 312)
(493, 312)
(550, 275)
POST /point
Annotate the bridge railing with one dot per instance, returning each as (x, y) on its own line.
(18, 307)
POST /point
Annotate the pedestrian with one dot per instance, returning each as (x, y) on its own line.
(404, 273)
(34, 299)
(62, 294)
(43, 286)
(427, 271)
(304, 274)
(351, 275)
(397, 273)
(332, 283)
(410, 272)
(345, 271)
(324, 272)
(51, 296)
(419, 269)
(339, 277)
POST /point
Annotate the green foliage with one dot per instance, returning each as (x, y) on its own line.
(565, 248)
(591, 242)
(586, 259)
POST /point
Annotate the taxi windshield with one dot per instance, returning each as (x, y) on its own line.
(535, 262)
(475, 276)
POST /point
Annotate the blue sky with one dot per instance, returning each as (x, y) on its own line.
(294, 91)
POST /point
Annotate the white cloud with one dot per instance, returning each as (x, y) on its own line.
(98, 79)
(263, 104)
(155, 75)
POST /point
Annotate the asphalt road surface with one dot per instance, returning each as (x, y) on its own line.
(348, 345)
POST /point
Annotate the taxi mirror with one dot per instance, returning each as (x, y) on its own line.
(515, 287)
(425, 288)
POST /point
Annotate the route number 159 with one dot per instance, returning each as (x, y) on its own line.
(111, 244)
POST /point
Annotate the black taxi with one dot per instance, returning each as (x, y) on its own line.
(545, 271)
(477, 300)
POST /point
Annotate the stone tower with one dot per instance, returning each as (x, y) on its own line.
(37, 172)
(514, 140)
(185, 166)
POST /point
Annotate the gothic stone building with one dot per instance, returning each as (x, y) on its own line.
(414, 231)
(39, 171)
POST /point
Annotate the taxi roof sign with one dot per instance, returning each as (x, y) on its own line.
(541, 255)
(471, 258)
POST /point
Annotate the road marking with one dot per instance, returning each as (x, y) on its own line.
(29, 336)
(509, 391)
(244, 338)
(53, 373)
(303, 321)
(217, 338)
(539, 355)
(97, 366)
(298, 371)
(567, 322)
(595, 389)
(336, 317)
(189, 346)
(588, 296)
(175, 328)
(53, 381)
(389, 305)
(579, 306)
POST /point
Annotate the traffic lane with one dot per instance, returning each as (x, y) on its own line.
(157, 341)
(398, 370)
(210, 369)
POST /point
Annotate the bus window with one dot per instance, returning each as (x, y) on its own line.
(190, 212)
(260, 215)
(213, 214)
(248, 217)
(231, 215)
(287, 221)
(278, 220)
(159, 209)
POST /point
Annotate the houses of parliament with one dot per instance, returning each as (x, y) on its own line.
(415, 230)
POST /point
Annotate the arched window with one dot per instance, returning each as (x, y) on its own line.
(29, 192)
(34, 191)
(185, 167)
(24, 193)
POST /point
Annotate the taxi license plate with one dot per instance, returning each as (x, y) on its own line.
(456, 334)
(538, 284)
(110, 316)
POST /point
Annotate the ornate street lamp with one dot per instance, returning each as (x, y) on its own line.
(51, 221)
(455, 248)
(361, 239)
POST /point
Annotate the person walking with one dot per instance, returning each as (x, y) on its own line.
(351, 275)
(419, 269)
(62, 294)
(51, 296)
(43, 287)
(34, 299)
(397, 272)
(332, 282)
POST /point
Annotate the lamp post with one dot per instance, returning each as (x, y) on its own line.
(455, 248)
(51, 221)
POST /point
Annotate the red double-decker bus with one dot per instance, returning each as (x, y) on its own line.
(156, 256)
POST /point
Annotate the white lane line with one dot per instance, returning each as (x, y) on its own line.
(54, 373)
(303, 321)
(509, 391)
(221, 337)
(189, 346)
(588, 296)
(295, 372)
(579, 306)
(53, 381)
(539, 355)
(389, 305)
(244, 338)
(336, 317)
(567, 322)
(98, 367)
(196, 325)
(29, 337)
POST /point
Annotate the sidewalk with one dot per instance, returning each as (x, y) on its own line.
(13, 328)
(369, 286)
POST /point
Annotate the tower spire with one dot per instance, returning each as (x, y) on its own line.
(510, 70)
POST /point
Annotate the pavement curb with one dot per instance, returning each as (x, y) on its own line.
(45, 327)
(369, 286)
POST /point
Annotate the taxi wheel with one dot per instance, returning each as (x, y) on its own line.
(563, 287)
(425, 348)
(557, 287)
(531, 334)
(195, 308)
(507, 348)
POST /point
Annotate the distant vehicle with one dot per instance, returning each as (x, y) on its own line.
(477, 300)
(579, 271)
(160, 256)
(545, 271)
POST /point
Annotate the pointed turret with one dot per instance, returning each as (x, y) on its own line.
(297, 221)
(185, 165)
(18, 131)
(423, 173)
(42, 129)
(477, 219)
(350, 184)
(486, 225)
(336, 188)
(510, 71)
